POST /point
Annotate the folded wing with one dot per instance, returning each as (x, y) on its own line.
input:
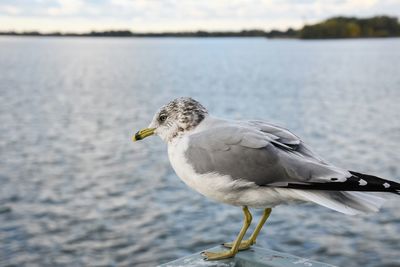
(272, 156)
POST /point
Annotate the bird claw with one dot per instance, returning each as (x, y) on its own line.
(208, 255)
(245, 244)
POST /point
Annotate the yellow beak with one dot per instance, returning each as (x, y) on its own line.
(143, 134)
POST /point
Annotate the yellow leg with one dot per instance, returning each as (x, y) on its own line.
(245, 244)
(208, 255)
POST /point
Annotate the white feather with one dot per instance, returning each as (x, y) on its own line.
(350, 203)
(370, 202)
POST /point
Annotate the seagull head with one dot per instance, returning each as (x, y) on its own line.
(175, 118)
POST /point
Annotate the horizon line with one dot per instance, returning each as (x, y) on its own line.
(182, 31)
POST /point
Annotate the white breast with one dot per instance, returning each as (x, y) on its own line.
(176, 153)
(221, 187)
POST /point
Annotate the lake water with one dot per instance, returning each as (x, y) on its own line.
(75, 191)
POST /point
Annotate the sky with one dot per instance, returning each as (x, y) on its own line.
(183, 15)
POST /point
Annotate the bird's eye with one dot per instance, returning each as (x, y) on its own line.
(162, 118)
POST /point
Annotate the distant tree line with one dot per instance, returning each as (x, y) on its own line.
(350, 27)
(126, 33)
(337, 27)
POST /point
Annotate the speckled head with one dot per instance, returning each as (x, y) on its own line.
(178, 116)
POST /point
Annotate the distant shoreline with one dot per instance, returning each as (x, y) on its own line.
(333, 28)
(129, 34)
(188, 37)
(195, 37)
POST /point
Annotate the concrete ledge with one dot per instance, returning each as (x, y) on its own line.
(254, 257)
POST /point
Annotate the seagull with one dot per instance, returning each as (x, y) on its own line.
(255, 164)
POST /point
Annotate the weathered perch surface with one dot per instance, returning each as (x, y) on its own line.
(254, 257)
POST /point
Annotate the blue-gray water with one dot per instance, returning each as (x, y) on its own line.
(75, 191)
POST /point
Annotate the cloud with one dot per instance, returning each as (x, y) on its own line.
(67, 7)
(161, 15)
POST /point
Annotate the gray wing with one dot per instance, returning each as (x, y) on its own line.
(261, 153)
(284, 136)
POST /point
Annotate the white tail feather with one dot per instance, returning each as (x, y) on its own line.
(371, 203)
(350, 203)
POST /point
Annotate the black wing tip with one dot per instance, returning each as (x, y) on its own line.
(378, 184)
(356, 182)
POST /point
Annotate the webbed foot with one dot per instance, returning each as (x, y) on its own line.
(209, 256)
(245, 244)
